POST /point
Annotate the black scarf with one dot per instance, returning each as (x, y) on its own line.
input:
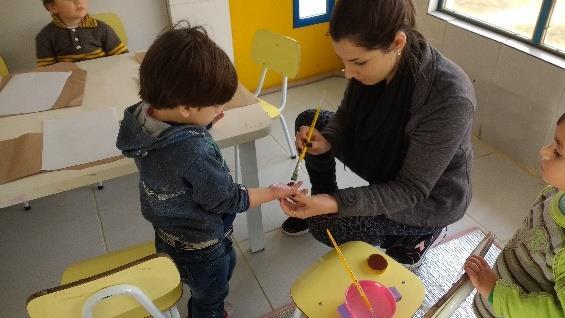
(375, 129)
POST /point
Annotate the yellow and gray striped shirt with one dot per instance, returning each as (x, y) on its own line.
(531, 267)
(89, 40)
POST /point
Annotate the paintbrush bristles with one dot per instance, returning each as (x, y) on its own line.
(295, 173)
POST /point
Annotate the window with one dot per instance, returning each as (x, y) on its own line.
(538, 22)
(308, 12)
(555, 37)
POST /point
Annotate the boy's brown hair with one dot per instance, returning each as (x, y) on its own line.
(185, 67)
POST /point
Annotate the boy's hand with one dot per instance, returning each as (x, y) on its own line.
(481, 275)
(284, 191)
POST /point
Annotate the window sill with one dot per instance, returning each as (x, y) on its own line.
(528, 49)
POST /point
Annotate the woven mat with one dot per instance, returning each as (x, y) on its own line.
(439, 270)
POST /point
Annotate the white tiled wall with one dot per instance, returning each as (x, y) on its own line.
(515, 125)
(519, 95)
(474, 53)
(530, 78)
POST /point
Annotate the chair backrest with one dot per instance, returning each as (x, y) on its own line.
(155, 275)
(276, 52)
(3, 67)
(115, 22)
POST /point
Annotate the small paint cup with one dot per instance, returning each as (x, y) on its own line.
(380, 297)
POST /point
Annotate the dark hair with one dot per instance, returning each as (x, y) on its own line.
(373, 24)
(46, 2)
(185, 67)
(561, 119)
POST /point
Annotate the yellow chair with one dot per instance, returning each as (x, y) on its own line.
(321, 288)
(98, 287)
(280, 54)
(115, 22)
(3, 67)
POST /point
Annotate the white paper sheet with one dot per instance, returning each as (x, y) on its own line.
(79, 139)
(31, 92)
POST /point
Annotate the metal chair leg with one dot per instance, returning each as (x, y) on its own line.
(297, 313)
(236, 168)
(287, 137)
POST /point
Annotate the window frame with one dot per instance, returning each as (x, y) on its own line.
(540, 30)
(299, 23)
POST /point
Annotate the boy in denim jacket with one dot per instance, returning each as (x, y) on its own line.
(185, 188)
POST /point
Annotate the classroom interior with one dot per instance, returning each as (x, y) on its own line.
(520, 93)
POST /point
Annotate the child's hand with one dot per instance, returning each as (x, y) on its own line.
(481, 275)
(284, 191)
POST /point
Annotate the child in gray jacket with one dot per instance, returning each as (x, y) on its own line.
(185, 188)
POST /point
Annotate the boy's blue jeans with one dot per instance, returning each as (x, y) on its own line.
(207, 272)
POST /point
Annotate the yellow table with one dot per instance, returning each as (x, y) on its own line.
(321, 288)
(113, 82)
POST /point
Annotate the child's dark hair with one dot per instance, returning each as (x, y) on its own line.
(561, 119)
(185, 67)
(373, 24)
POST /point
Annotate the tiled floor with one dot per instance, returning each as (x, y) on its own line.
(64, 228)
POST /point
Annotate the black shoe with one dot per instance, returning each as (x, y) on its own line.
(412, 256)
(295, 227)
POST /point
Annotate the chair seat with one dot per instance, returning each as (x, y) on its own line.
(270, 109)
(156, 275)
(96, 265)
(321, 288)
(169, 295)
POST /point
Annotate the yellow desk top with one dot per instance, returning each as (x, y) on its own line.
(321, 288)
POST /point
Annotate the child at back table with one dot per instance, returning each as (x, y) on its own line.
(74, 35)
(185, 188)
(528, 279)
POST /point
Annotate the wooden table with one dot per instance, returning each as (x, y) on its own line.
(113, 82)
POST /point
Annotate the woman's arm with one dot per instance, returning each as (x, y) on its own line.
(303, 206)
(431, 148)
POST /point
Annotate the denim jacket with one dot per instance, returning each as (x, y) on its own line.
(185, 187)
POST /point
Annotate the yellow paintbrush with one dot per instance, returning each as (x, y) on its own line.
(305, 148)
(351, 274)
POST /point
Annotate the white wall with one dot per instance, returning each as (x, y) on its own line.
(21, 20)
(519, 95)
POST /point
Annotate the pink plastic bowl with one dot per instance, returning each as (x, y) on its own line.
(380, 297)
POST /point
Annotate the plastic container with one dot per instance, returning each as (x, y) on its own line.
(380, 297)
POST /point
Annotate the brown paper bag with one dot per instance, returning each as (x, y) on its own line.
(20, 157)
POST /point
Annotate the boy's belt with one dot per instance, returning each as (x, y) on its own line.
(177, 242)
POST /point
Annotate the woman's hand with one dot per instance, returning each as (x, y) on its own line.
(284, 191)
(318, 144)
(481, 275)
(303, 206)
